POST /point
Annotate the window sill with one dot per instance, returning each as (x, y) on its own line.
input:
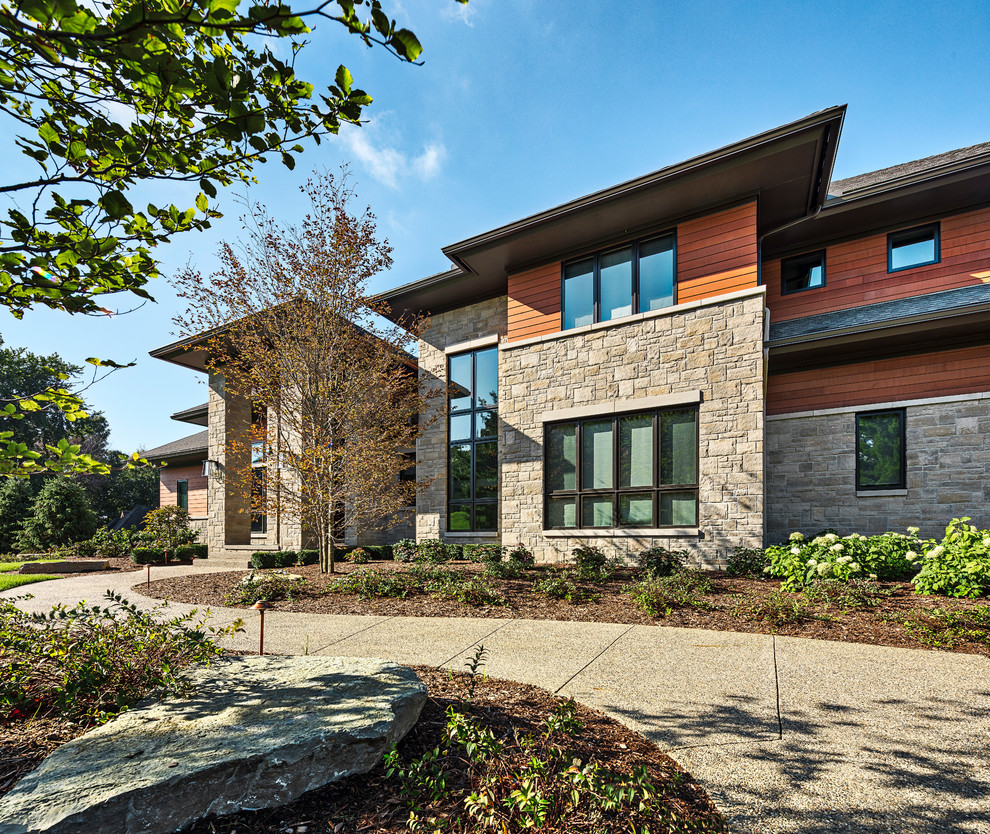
(881, 493)
(625, 532)
(475, 534)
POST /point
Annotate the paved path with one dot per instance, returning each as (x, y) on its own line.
(786, 734)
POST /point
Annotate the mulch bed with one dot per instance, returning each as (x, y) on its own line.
(372, 802)
(727, 609)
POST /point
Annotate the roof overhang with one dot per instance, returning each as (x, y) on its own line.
(198, 415)
(911, 199)
(787, 169)
(189, 353)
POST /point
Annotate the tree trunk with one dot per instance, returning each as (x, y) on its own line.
(331, 553)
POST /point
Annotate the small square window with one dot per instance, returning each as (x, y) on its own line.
(912, 247)
(805, 272)
(880, 452)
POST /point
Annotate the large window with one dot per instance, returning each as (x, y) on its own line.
(472, 455)
(632, 470)
(912, 247)
(634, 278)
(880, 459)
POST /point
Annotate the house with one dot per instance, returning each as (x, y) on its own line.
(182, 481)
(715, 355)
(709, 356)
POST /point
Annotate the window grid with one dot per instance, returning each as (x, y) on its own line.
(596, 258)
(476, 508)
(901, 480)
(616, 491)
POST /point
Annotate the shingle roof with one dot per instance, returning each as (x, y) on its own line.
(885, 312)
(198, 442)
(196, 415)
(889, 176)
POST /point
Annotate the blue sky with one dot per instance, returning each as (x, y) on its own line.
(523, 105)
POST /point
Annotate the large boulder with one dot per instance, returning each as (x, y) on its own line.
(257, 732)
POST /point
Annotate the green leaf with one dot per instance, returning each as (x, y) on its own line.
(116, 205)
(407, 44)
(201, 203)
(288, 161)
(343, 79)
(208, 187)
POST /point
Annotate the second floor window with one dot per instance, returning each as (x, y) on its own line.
(912, 247)
(635, 278)
(805, 272)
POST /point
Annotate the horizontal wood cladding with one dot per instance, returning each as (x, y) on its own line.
(716, 254)
(856, 270)
(937, 374)
(168, 495)
(534, 302)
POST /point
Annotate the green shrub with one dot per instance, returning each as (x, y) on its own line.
(658, 561)
(148, 556)
(483, 553)
(884, 557)
(775, 608)
(380, 552)
(591, 563)
(168, 528)
(369, 583)
(265, 559)
(359, 556)
(959, 565)
(111, 544)
(307, 557)
(562, 586)
(658, 596)
(270, 587)
(404, 550)
(477, 590)
(437, 551)
(61, 515)
(88, 664)
(198, 551)
(847, 596)
(522, 555)
(504, 570)
(942, 628)
(747, 561)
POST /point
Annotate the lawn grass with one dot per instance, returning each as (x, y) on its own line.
(7, 567)
(7, 582)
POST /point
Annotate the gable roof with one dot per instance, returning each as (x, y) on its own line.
(188, 446)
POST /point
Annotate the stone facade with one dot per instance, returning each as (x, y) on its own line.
(228, 503)
(477, 321)
(811, 465)
(713, 347)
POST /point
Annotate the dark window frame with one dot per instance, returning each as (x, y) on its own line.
(657, 490)
(902, 464)
(821, 253)
(259, 518)
(936, 238)
(596, 257)
(472, 413)
(182, 495)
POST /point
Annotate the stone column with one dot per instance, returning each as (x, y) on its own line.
(229, 497)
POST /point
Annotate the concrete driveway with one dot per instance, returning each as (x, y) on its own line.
(786, 734)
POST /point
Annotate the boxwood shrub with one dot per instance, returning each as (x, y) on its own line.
(190, 551)
(264, 559)
(307, 557)
(148, 556)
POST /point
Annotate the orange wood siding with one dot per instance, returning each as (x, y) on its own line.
(534, 302)
(168, 494)
(856, 271)
(716, 254)
(939, 374)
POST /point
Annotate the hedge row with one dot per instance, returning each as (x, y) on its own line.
(283, 558)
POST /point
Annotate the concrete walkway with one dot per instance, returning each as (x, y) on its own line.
(786, 734)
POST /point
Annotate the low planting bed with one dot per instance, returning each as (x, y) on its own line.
(850, 589)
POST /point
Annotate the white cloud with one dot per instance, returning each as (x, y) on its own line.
(463, 13)
(386, 163)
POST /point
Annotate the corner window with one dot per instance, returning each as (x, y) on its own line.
(632, 470)
(880, 450)
(913, 247)
(472, 451)
(804, 272)
(182, 494)
(614, 283)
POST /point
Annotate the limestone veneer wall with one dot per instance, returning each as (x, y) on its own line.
(714, 347)
(811, 470)
(456, 328)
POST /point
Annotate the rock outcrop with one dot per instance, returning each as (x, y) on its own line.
(256, 732)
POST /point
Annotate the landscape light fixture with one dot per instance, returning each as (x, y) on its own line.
(261, 607)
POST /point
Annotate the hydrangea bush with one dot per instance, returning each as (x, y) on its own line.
(959, 565)
(885, 557)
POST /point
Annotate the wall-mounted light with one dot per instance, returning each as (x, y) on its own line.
(211, 468)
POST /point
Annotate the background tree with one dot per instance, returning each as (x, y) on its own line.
(16, 500)
(168, 528)
(339, 400)
(121, 490)
(61, 515)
